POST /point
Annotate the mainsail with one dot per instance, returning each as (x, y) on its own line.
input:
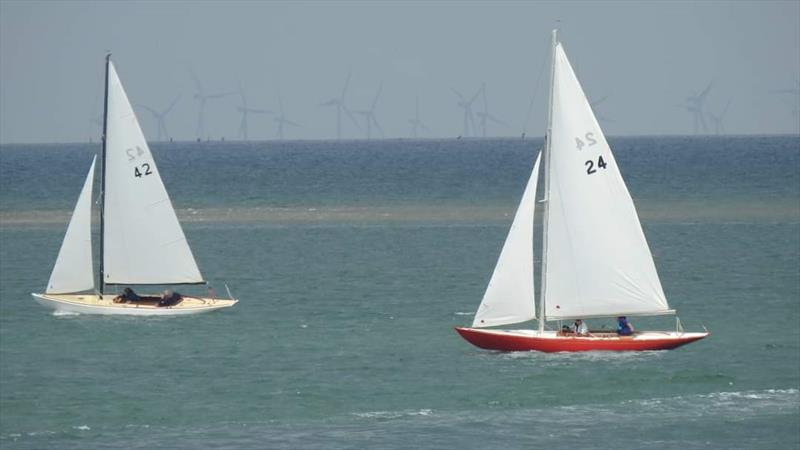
(509, 298)
(598, 262)
(73, 269)
(143, 241)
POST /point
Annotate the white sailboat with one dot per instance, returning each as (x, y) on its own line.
(595, 258)
(141, 240)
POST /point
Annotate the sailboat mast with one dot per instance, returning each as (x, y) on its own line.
(101, 282)
(546, 215)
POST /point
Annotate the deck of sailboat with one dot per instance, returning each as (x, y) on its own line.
(96, 304)
(553, 341)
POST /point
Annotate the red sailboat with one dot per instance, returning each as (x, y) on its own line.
(595, 258)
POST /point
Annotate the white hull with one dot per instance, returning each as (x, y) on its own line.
(95, 304)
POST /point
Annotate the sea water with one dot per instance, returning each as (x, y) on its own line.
(353, 262)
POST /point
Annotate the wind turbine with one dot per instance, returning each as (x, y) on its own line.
(795, 93)
(369, 115)
(484, 116)
(593, 104)
(202, 98)
(469, 118)
(99, 123)
(160, 117)
(717, 120)
(694, 104)
(282, 120)
(245, 110)
(416, 124)
(338, 102)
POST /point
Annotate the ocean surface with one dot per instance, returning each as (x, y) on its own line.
(354, 260)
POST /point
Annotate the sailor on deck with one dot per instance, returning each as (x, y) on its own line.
(624, 328)
(127, 296)
(579, 328)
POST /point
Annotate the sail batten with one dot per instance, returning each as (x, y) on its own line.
(143, 240)
(509, 297)
(598, 261)
(73, 270)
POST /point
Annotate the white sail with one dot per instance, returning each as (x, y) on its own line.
(598, 262)
(73, 270)
(509, 298)
(143, 241)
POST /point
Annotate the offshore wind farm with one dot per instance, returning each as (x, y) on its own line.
(363, 181)
(467, 83)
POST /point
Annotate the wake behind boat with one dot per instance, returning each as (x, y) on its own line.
(141, 240)
(595, 258)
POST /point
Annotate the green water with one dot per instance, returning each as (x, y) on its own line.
(343, 337)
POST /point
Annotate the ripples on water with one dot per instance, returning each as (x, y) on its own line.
(595, 425)
(355, 260)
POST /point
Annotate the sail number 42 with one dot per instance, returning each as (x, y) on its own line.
(145, 170)
(140, 170)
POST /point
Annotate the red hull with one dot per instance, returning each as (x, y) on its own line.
(524, 340)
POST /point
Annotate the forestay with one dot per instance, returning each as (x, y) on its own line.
(509, 298)
(73, 270)
(598, 261)
(144, 243)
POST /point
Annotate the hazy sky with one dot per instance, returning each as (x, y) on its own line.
(646, 58)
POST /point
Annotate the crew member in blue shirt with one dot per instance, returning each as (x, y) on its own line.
(624, 328)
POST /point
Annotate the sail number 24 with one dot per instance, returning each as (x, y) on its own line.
(590, 165)
(590, 141)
